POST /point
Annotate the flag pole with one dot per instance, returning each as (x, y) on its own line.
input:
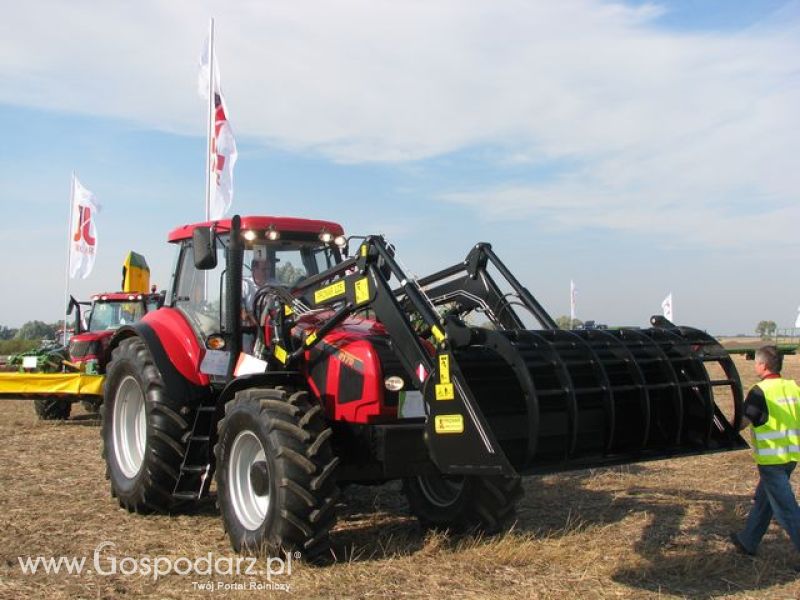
(210, 124)
(69, 254)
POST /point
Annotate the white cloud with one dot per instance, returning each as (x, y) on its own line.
(659, 123)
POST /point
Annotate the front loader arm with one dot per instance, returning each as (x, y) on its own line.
(458, 437)
(470, 284)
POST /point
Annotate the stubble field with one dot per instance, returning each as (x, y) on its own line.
(656, 530)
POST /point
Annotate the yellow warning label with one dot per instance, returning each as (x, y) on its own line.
(311, 338)
(330, 291)
(280, 354)
(287, 310)
(449, 424)
(444, 368)
(444, 391)
(437, 333)
(362, 290)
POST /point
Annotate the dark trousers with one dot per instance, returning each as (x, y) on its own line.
(773, 497)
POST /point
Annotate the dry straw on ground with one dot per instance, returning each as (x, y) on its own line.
(657, 530)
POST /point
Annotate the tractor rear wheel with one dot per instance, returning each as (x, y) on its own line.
(52, 408)
(142, 431)
(276, 480)
(463, 503)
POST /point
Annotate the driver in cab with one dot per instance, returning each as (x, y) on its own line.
(261, 273)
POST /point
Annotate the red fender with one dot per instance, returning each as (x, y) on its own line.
(179, 342)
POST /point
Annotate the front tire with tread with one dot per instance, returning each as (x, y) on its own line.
(298, 508)
(463, 504)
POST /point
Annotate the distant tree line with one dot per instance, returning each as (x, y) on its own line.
(27, 337)
(32, 330)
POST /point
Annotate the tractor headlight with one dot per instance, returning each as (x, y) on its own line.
(394, 383)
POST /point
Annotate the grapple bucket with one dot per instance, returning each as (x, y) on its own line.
(510, 399)
(558, 400)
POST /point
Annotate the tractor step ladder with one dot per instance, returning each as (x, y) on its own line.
(195, 474)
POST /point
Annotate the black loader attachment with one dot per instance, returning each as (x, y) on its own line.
(506, 398)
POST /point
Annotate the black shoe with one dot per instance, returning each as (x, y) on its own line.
(734, 537)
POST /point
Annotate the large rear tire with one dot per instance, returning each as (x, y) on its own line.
(463, 503)
(276, 480)
(142, 431)
(52, 408)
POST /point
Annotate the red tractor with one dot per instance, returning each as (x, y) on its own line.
(86, 354)
(108, 312)
(288, 369)
(88, 349)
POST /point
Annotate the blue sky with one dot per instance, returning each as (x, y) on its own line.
(637, 148)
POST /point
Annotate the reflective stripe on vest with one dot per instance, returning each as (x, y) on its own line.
(778, 440)
(778, 451)
(776, 435)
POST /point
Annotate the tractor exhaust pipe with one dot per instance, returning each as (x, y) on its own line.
(233, 282)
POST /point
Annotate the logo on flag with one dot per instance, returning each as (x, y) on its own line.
(83, 237)
(666, 307)
(222, 145)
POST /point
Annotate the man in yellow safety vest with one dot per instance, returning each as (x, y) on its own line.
(772, 408)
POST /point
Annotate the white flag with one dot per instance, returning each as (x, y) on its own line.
(797, 322)
(572, 298)
(666, 307)
(83, 231)
(222, 145)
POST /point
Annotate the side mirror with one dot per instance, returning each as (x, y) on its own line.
(204, 249)
(74, 304)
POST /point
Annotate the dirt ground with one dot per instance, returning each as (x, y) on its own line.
(657, 530)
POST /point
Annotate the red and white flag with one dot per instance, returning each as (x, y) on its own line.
(83, 236)
(222, 145)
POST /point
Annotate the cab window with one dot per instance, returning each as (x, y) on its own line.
(198, 294)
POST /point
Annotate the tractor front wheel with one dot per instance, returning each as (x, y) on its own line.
(52, 408)
(276, 480)
(142, 429)
(462, 503)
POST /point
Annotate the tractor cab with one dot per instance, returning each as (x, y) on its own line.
(111, 311)
(275, 252)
